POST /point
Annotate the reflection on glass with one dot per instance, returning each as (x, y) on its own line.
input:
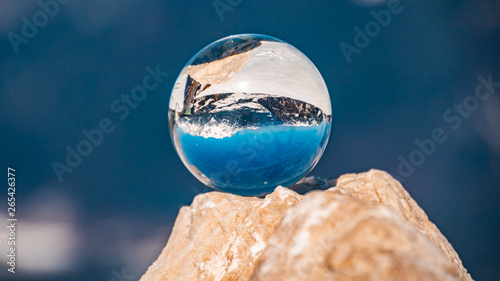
(248, 113)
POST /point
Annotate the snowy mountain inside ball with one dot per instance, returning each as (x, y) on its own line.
(248, 113)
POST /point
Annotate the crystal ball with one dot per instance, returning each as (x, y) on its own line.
(248, 113)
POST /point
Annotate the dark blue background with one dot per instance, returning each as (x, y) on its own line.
(115, 210)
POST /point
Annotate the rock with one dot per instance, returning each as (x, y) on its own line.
(330, 236)
(367, 227)
(220, 236)
(380, 187)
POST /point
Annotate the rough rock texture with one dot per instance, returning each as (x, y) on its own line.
(367, 227)
(380, 187)
(220, 236)
(330, 236)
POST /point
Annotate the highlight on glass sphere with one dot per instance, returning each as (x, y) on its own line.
(248, 113)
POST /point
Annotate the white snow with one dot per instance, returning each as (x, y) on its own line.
(288, 72)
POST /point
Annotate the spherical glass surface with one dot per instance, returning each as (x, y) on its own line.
(248, 113)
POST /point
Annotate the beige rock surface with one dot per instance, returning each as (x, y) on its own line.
(366, 228)
(330, 236)
(220, 236)
(380, 187)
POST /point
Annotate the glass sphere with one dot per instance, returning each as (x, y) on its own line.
(248, 113)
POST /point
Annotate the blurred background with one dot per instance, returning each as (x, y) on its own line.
(63, 64)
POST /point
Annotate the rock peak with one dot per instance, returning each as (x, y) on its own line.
(367, 227)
